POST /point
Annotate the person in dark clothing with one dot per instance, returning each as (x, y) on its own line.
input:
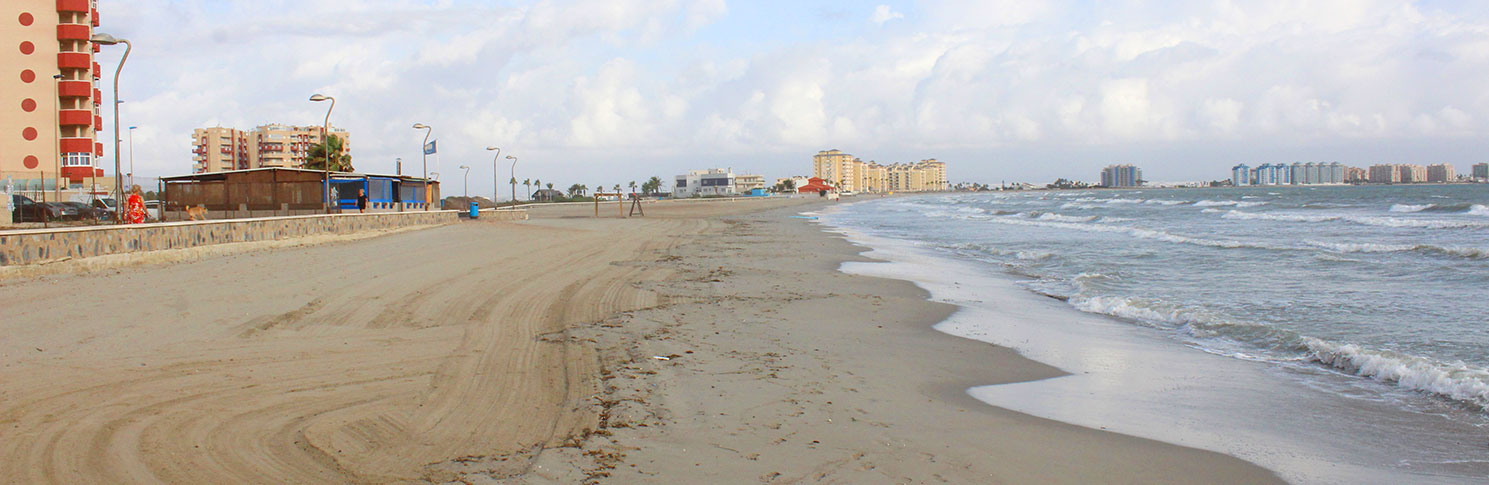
(362, 200)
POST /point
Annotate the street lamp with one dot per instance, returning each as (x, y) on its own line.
(106, 39)
(427, 132)
(131, 154)
(495, 177)
(467, 183)
(514, 178)
(326, 143)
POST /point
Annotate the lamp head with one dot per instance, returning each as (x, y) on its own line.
(319, 97)
(510, 157)
(465, 167)
(105, 39)
(420, 126)
(492, 148)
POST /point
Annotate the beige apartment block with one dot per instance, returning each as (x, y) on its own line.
(272, 145)
(50, 114)
(1441, 172)
(745, 183)
(850, 174)
(1412, 174)
(219, 149)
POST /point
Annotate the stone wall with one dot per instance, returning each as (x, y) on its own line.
(31, 246)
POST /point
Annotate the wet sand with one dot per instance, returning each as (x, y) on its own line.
(710, 341)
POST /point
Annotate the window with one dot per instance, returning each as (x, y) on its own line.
(77, 159)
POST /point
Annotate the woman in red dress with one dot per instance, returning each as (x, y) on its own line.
(134, 212)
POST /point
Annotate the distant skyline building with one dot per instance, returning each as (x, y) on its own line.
(1441, 173)
(715, 182)
(1125, 175)
(1384, 174)
(1481, 171)
(218, 149)
(1240, 175)
(1412, 173)
(850, 174)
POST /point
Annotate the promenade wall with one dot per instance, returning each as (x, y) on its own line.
(34, 246)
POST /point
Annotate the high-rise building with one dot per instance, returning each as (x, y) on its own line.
(1481, 171)
(1240, 175)
(1121, 176)
(1385, 174)
(51, 98)
(1441, 172)
(850, 174)
(1356, 175)
(272, 145)
(219, 149)
(1412, 173)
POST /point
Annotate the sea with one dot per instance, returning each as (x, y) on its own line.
(1335, 334)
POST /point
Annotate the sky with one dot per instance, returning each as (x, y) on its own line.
(612, 91)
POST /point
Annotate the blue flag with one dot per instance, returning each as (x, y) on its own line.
(429, 149)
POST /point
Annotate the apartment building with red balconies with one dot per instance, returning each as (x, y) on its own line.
(49, 98)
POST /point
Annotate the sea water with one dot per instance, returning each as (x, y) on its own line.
(1361, 312)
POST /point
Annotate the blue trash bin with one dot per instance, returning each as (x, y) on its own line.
(475, 211)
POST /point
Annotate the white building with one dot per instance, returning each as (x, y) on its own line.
(700, 183)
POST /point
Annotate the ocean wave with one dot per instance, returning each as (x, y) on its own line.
(1211, 210)
(1139, 233)
(1459, 252)
(1380, 221)
(1050, 216)
(1166, 202)
(1073, 205)
(1235, 214)
(1456, 381)
(1409, 207)
(1461, 208)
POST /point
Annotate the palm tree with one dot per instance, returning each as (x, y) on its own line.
(538, 183)
(529, 184)
(575, 190)
(656, 185)
(617, 188)
(550, 185)
(340, 160)
(633, 186)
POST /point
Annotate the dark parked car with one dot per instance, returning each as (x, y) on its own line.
(60, 211)
(27, 210)
(88, 213)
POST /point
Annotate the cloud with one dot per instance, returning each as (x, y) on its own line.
(884, 14)
(611, 87)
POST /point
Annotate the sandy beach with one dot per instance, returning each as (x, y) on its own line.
(712, 342)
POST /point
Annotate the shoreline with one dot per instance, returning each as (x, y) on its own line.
(1156, 387)
(806, 395)
(715, 342)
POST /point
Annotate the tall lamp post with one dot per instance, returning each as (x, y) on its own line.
(106, 39)
(424, 150)
(131, 154)
(495, 177)
(467, 183)
(514, 178)
(326, 143)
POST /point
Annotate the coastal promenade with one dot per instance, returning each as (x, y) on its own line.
(707, 342)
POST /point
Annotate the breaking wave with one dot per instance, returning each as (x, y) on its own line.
(1458, 252)
(1452, 380)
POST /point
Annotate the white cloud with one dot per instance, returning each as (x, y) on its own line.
(884, 14)
(597, 85)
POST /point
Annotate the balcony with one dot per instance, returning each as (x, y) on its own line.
(73, 32)
(74, 89)
(74, 60)
(83, 6)
(77, 145)
(77, 174)
(75, 117)
(97, 149)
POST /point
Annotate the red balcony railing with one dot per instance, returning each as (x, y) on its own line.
(73, 32)
(83, 6)
(77, 145)
(75, 89)
(75, 117)
(74, 60)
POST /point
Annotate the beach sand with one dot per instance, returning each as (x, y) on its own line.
(708, 342)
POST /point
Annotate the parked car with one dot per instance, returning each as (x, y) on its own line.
(60, 211)
(87, 213)
(26, 210)
(97, 201)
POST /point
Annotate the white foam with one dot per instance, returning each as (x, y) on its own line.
(1410, 208)
(1456, 380)
(1478, 210)
(1461, 252)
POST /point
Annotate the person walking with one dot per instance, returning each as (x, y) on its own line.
(362, 200)
(135, 209)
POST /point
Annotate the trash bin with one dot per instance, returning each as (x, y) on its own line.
(475, 211)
